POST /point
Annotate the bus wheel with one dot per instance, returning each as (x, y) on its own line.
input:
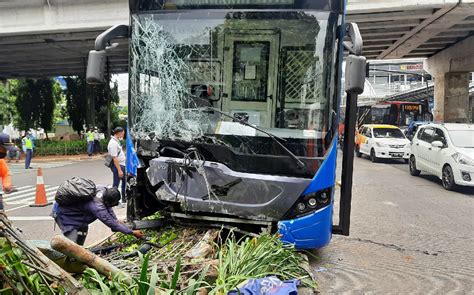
(413, 170)
(358, 153)
(373, 157)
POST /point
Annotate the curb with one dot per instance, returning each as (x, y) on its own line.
(70, 158)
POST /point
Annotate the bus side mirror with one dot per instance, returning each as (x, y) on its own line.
(96, 67)
(356, 65)
(103, 43)
(355, 74)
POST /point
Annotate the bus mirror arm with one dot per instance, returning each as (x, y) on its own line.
(97, 58)
(354, 46)
(354, 85)
(117, 31)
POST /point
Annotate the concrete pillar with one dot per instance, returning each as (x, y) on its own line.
(451, 98)
(451, 69)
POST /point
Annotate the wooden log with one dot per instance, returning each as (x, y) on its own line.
(73, 250)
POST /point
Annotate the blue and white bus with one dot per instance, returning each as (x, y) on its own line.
(233, 111)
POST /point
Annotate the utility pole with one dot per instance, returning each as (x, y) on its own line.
(107, 91)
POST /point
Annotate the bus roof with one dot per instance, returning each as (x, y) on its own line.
(137, 6)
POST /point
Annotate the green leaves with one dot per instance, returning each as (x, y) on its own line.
(143, 282)
(99, 284)
(35, 102)
(256, 258)
(21, 278)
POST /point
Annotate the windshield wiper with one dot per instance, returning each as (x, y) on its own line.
(275, 138)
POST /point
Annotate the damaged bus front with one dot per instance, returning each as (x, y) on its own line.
(233, 110)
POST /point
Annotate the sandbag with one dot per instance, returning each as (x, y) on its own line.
(74, 191)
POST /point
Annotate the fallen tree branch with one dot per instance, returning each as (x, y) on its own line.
(70, 285)
(73, 250)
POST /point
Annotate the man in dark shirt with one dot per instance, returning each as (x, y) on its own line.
(74, 220)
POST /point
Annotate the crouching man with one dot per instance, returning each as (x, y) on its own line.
(74, 220)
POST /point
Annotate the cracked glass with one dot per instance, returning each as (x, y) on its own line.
(276, 70)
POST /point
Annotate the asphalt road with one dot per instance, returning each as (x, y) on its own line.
(408, 235)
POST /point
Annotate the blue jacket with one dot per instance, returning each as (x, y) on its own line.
(81, 215)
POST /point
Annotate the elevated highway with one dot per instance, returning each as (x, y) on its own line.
(52, 37)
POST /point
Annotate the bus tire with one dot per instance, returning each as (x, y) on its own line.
(373, 157)
(413, 170)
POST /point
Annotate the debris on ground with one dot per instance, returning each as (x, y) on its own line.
(24, 269)
(177, 259)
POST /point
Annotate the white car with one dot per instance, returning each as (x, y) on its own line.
(382, 141)
(444, 150)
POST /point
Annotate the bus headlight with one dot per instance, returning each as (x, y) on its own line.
(312, 202)
(307, 204)
(323, 198)
(301, 207)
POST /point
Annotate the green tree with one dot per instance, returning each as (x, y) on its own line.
(101, 93)
(35, 103)
(76, 102)
(49, 94)
(7, 109)
(25, 104)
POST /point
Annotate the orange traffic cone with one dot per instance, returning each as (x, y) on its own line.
(40, 200)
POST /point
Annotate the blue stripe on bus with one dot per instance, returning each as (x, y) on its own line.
(309, 232)
(326, 175)
(314, 230)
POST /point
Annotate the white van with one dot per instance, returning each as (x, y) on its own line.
(444, 150)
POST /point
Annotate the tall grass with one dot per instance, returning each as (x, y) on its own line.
(256, 258)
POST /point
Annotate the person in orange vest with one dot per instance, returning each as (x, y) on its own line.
(5, 146)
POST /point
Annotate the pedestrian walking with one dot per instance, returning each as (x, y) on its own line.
(6, 184)
(27, 144)
(74, 220)
(90, 142)
(115, 150)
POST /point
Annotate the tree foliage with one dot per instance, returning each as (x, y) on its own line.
(76, 102)
(35, 103)
(101, 106)
(7, 109)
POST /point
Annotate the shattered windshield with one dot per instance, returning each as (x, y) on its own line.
(276, 70)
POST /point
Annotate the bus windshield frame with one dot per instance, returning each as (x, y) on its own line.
(183, 63)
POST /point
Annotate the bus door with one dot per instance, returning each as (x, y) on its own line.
(250, 75)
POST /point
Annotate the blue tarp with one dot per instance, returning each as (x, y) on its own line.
(267, 286)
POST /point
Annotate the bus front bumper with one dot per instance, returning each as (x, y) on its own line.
(312, 231)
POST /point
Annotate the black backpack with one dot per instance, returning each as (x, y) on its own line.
(75, 191)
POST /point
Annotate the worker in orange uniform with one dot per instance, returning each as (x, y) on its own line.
(6, 184)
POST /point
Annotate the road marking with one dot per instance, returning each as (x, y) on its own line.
(49, 198)
(28, 196)
(18, 188)
(19, 168)
(16, 208)
(29, 188)
(30, 218)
